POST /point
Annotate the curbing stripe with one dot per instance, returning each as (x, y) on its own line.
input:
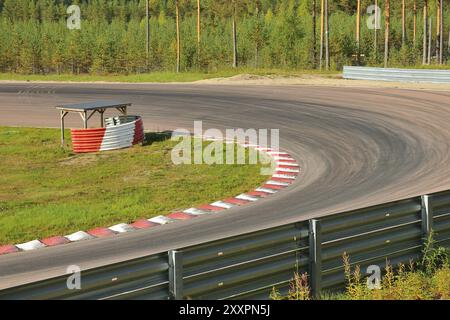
(222, 204)
(288, 164)
(286, 161)
(79, 236)
(236, 201)
(292, 174)
(101, 232)
(210, 208)
(288, 167)
(143, 224)
(31, 245)
(161, 220)
(274, 187)
(181, 216)
(9, 248)
(121, 228)
(266, 190)
(260, 194)
(195, 211)
(247, 197)
(288, 181)
(287, 170)
(278, 154)
(280, 158)
(54, 241)
(284, 176)
(277, 183)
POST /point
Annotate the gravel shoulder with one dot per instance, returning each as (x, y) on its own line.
(321, 80)
(327, 80)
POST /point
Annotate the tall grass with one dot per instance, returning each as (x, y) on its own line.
(426, 279)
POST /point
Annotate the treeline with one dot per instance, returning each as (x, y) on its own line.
(286, 34)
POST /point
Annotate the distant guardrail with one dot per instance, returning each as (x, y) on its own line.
(397, 75)
(248, 266)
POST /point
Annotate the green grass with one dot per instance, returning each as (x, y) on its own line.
(47, 191)
(160, 76)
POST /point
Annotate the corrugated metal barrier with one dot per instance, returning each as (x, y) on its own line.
(249, 266)
(120, 132)
(397, 75)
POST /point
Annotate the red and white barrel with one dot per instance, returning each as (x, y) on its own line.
(119, 133)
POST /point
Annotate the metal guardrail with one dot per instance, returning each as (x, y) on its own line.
(145, 278)
(249, 266)
(369, 237)
(244, 266)
(397, 75)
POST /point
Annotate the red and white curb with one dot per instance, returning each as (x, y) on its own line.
(286, 171)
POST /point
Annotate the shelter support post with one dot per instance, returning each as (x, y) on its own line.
(85, 119)
(63, 115)
(102, 117)
(123, 110)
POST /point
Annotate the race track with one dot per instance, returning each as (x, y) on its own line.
(356, 148)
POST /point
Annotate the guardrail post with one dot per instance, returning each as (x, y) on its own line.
(176, 274)
(427, 216)
(315, 257)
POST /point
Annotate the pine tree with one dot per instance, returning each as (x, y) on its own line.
(266, 33)
(387, 33)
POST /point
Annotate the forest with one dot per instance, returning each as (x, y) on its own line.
(115, 36)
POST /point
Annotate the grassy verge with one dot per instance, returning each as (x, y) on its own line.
(428, 279)
(160, 76)
(46, 191)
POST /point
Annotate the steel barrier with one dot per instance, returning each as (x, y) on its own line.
(145, 277)
(398, 75)
(249, 266)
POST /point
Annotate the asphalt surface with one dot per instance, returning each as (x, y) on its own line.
(356, 148)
